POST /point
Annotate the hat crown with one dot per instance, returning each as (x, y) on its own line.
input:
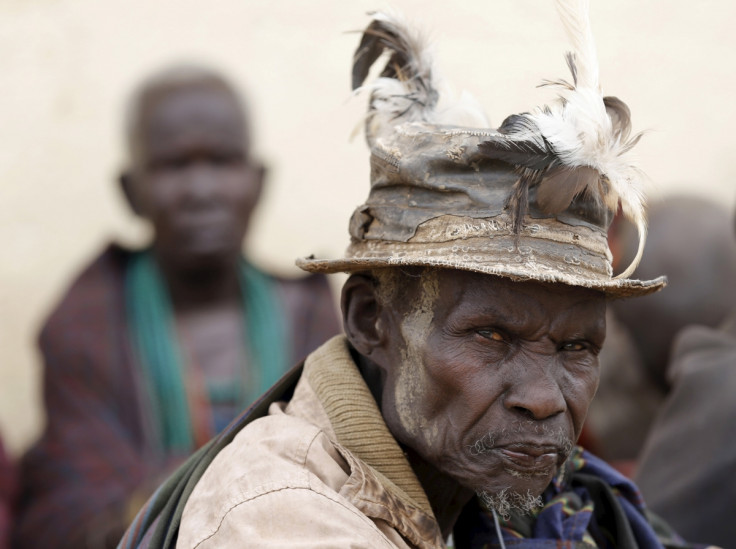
(422, 171)
(530, 200)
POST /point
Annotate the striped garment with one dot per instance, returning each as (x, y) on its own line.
(589, 506)
(98, 458)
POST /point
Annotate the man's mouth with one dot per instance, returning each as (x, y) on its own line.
(534, 455)
(523, 459)
(202, 219)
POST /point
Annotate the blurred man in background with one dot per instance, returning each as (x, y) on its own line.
(688, 465)
(690, 239)
(151, 353)
(8, 485)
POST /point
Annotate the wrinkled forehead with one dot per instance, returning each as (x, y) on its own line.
(456, 293)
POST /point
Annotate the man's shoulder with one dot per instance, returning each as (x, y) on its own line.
(272, 447)
(287, 479)
(702, 350)
(97, 287)
(704, 353)
(281, 466)
(294, 440)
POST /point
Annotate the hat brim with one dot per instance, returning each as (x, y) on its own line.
(613, 288)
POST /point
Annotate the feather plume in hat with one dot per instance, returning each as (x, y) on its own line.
(408, 89)
(578, 144)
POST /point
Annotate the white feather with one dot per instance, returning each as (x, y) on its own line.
(421, 96)
(580, 130)
(463, 110)
(575, 16)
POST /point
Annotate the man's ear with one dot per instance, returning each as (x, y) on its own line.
(125, 180)
(361, 314)
(259, 178)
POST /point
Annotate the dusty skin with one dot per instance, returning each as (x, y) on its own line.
(499, 373)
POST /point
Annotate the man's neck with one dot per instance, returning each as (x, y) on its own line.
(211, 286)
(445, 495)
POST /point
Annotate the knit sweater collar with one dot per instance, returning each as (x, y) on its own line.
(357, 421)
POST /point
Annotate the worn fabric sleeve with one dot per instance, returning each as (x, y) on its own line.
(80, 475)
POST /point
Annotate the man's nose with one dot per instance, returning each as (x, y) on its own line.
(200, 181)
(535, 393)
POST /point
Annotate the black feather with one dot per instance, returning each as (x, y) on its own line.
(518, 203)
(620, 116)
(526, 154)
(517, 124)
(408, 64)
(376, 38)
(515, 146)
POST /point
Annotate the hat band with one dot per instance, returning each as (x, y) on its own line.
(544, 250)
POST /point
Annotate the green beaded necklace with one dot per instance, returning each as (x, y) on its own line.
(151, 325)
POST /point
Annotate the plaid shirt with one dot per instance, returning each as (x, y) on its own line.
(96, 459)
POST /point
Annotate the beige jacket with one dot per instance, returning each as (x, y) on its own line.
(320, 471)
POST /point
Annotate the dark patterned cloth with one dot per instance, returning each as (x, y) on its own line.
(590, 505)
(96, 461)
(8, 485)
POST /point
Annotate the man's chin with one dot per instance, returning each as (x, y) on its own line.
(513, 491)
(206, 255)
(506, 501)
(526, 480)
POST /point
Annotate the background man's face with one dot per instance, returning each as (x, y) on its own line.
(193, 179)
(490, 380)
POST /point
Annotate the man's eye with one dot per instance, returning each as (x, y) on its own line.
(168, 164)
(227, 159)
(573, 346)
(491, 334)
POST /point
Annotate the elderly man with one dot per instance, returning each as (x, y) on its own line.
(473, 316)
(689, 239)
(151, 353)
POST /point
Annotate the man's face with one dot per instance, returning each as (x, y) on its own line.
(489, 380)
(192, 177)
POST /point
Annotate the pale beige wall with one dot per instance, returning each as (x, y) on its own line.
(66, 67)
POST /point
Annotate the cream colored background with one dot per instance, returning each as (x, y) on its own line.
(66, 67)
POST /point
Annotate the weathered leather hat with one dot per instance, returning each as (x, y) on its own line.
(530, 200)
